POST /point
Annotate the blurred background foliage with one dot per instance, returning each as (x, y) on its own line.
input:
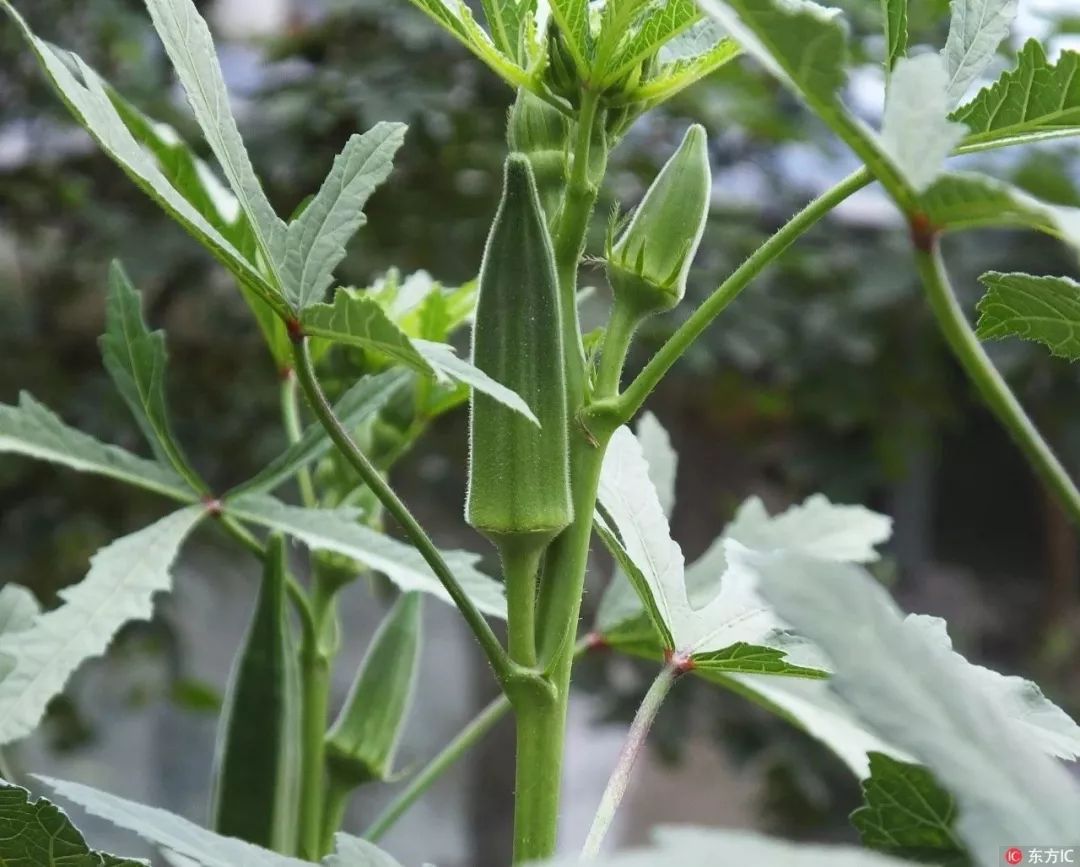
(827, 374)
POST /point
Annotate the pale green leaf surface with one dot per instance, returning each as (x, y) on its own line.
(916, 133)
(190, 47)
(31, 429)
(361, 402)
(170, 831)
(18, 609)
(119, 587)
(1035, 100)
(895, 19)
(339, 532)
(1044, 309)
(507, 22)
(39, 834)
(572, 17)
(709, 847)
(659, 22)
(357, 319)
(88, 99)
(136, 360)
(917, 693)
(659, 454)
(316, 240)
(976, 29)
(354, 852)
(448, 363)
(682, 71)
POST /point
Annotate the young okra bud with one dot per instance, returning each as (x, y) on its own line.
(539, 131)
(648, 264)
(519, 480)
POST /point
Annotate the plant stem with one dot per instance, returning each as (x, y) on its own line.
(496, 654)
(539, 776)
(465, 740)
(335, 804)
(637, 392)
(315, 698)
(617, 337)
(521, 561)
(990, 384)
(628, 756)
(290, 416)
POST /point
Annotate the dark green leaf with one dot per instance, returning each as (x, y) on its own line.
(895, 18)
(1044, 309)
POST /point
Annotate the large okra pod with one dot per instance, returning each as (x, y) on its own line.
(255, 795)
(519, 479)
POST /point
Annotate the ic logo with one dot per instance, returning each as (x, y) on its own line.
(1013, 856)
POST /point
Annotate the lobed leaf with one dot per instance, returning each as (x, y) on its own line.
(315, 242)
(572, 16)
(1037, 100)
(136, 358)
(508, 22)
(658, 23)
(40, 834)
(119, 587)
(338, 531)
(18, 610)
(680, 73)
(31, 429)
(976, 29)
(1043, 309)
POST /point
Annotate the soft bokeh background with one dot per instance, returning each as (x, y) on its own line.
(826, 375)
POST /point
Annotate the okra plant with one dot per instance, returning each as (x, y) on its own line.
(956, 761)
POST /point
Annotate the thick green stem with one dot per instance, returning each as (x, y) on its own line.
(335, 804)
(990, 384)
(315, 697)
(540, 729)
(466, 739)
(496, 654)
(617, 337)
(636, 393)
(628, 756)
(521, 560)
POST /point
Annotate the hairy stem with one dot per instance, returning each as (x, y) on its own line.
(628, 756)
(618, 335)
(637, 392)
(496, 654)
(990, 384)
(290, 416)
(521, 562)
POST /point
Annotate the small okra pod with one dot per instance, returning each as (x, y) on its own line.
(540, 131)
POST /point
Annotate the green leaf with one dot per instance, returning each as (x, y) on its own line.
(895, 19)
(907, 814)
(508, 21)
(658, 22)
(1035, 101)
(190, 47)
(88, 98)
(681, 72)
(361, 402)
(357, 319)
(169, 831)
(750, 659)
(257, 762)
(31, 429)
(446, 362)
(354, 852)
(916, 133)
(1044, 309)
(362, 743)
(18, 610)
(136, 360)
(456, 18)
(119, 587)
(976, 29)
(316, 239)
(687, 846)
(661, 457)
(39, 834)
(907, 685)
(572, 16)
(967, 201)
(338, 531)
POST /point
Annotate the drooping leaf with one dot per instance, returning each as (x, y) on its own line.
(976, 29)
(1044, 309)
(354, 852)
(1035, 101)
(18, 609)
(119, 587)
(31, 429)
(256, 766)
(39, 834)
(895, 19)
(136, 359)
(338, 531)
(907, 814)
(916, 133)
(169, 831)
(447, 363)
(356, 319)
(190, 47)
(916, 692)
(316, 240)
(89, 100)
(658, 22)
(688, 846)
(360, 403)
(965, 200)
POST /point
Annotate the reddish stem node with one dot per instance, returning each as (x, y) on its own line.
(295, 330)
(286, 373)
(213, 506)
(596, 641)
(680, 663)
(923, 233)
